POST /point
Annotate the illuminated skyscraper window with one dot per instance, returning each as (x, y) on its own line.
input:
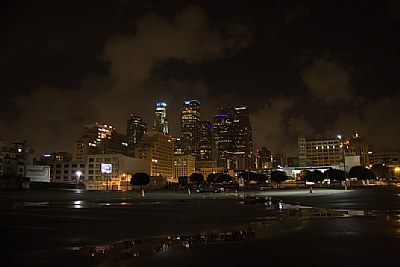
(161, 122)
(190, 128)
(135, 130)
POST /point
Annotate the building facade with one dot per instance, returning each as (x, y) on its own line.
(360, 147)
(320, 152)
(121, 170)
(264, 158)
(134, 131)
(242, 132)
(68, 172)
(99, 139)
(160, 121)
(206, 140)
(233, 145)
(223, 139)
(184, 166)
(14, 158)
(190, 128)
(158, 149)
(91, 175)
(52, 157)
(390, 159)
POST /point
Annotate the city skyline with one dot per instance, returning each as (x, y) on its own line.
(310, 68)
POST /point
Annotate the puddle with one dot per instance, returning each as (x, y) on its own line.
(278, 217)
(136, 249)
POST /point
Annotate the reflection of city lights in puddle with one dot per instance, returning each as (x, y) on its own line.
(77, 204)
(45, 203)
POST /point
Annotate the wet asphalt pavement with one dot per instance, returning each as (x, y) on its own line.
(323, 228)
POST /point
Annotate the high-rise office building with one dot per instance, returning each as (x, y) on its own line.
(158, 148)
(223, 139)
(135, 130)
(320, 152)
(233, 138)
(206, 139)
(99, 139)
(190, 128)
(263, 158)
(360, 147)
(177, 147)
(160, 121)
(242, 133)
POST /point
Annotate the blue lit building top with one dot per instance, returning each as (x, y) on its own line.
(160, 104)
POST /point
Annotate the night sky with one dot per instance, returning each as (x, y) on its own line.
(304, 68)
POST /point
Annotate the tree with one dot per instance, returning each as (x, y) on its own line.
(278, 177)
(335, 174)
(306, 175)
(261, 177)
(248, 176)
(312, 176)
(380, 170)
(140, 178)
(212, 177)
(196, 178)
(223, 178)
(318, 176)
(361, 173)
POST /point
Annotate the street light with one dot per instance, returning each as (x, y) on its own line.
(78, 173)
(396, 171)
(344, 160)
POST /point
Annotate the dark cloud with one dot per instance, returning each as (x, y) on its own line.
(188, 38)
(269, 124)
(328, 81)
(376, 121)
(304, 69)
(57, 114)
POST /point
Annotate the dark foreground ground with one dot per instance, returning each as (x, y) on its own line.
(297, 228)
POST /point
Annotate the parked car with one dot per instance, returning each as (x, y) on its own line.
(207, 188)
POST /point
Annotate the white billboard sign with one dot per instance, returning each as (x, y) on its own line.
(106, 168)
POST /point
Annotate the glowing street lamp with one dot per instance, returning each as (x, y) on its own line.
(78, 174)
(344, 158)
(397, 171)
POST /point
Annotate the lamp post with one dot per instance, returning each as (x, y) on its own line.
(78, 174)
(344, 161)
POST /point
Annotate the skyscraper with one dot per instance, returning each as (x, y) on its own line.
(263, 158)
(135, 130)
(206, 139)
(223, 138)
(242, 133)
(190, 128)
(99, 139)
(160, 121)
(233, 138)
(158, 148)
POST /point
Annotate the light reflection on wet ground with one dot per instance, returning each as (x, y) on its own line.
(280, 217)
(276, 217)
